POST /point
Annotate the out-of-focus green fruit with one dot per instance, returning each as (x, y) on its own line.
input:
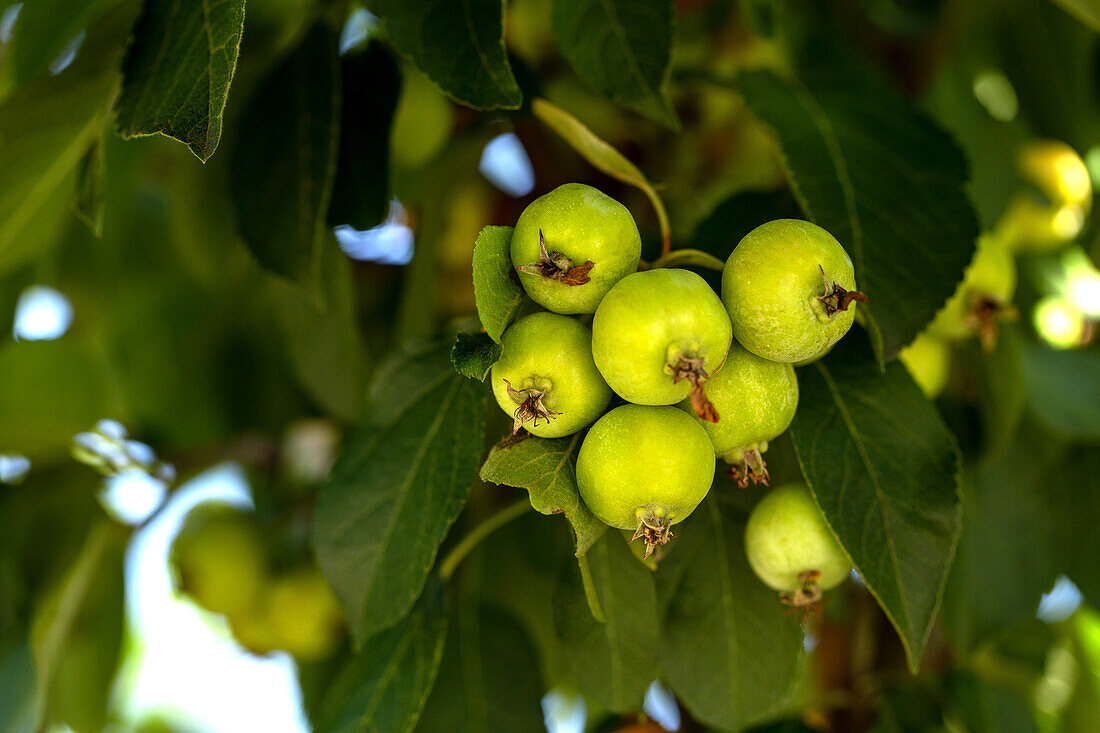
(421, 123)
(298, 613)
(982, 299)
(928, 360)
(1054, 215)
(220, 559)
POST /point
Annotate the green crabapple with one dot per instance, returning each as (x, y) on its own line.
(984, 297)
(645, 468)
(657, 337)
(571, 245)
(790, 289)
(756, 400)
(545, 377)
(791, 548)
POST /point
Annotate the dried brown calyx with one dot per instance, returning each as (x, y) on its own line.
(529, 407)
(654, 530)
(747, 464)
(556, 266)
(807, 598)
(691, 369)
(836, 298)
(984, 317)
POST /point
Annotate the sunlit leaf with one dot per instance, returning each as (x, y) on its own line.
(547, 468)
(497, 291)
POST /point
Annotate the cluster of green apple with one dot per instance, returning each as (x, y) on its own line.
(702, 376)
(222, 563)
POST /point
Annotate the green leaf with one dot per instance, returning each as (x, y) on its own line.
(883, 468)
(47, 126)
(497, 291)
(600, 154)
(285, 158)
(322, 340)
(398, 486)
(44, 28)
(383, 688)
(17, 687)
(1004, 551)
(622, 48)
(1063, 389)
(178, 71)
(489, 678)
(76, 635)
(473, 355)
(614, 661)
(1068, 488)
(729, 650)
(371, 83)
(905, 220)
(738, 215)
(458, 44)
(547, 469)
(982, 705)
(1003, 396)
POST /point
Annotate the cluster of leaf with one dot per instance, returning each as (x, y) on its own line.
(216, 305)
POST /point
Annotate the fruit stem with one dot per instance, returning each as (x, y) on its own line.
(494, 522)
(836, 298)
(691, 369)
(556, 266)
(807, 598)
(696, 257)
(529, 406)
(748, 465)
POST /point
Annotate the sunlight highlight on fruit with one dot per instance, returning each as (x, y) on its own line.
(1059, 322)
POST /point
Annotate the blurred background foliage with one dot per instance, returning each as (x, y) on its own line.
(134, 297)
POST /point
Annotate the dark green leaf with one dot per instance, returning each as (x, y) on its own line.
(398, 485)
(622, 48)
(44, 28)
(178, 71)
(322, 340)
(904, 219)
(48, 125)
(371, 84)
(1069, 490)
(285, 158)
(1063, 389)
(614, 661)
(908, 707)
(383, 688)
(738, 215)
(497, 291)
(17, 687)
(1003, 397)
(729, 650)
(547, 468)
(985, 706)
(489, 678)
(1003, 563)
(883, 468)
(458, 44)
(76, 635)
(473, 355)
